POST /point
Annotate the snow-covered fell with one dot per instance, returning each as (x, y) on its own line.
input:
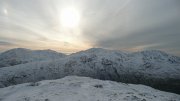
(20, 56)
(154, 68)
(73, 88)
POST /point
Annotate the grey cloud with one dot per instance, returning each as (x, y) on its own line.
(4, 43)
(166, 34)
(155, 24)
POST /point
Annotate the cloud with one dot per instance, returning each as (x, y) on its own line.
(3, 43)
(162, 34)
(115, 24)
(146, 25)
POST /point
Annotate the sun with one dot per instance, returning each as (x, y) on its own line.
(70, 18)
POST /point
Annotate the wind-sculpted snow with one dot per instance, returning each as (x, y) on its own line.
(153, 68)
(73, 88)
(21, 56)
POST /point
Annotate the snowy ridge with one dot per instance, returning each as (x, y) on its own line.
(73, 88)
(153, 68)
(21, 55)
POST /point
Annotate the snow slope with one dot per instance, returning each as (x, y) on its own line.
(20, 56)
(153, 68)
(73, 88)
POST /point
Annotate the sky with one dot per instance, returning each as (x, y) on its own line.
(131, 25)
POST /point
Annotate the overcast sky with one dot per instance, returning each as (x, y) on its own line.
(114, 24)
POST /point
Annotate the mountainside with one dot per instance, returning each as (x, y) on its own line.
(20, 56)
(153, 68)
(74, 88)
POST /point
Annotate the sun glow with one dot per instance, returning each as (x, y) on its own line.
(70, 18)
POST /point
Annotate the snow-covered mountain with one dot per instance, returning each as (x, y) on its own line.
(20, 56)
(154, 68)
(73, 88)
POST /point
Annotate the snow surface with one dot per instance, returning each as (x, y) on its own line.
(73, 88)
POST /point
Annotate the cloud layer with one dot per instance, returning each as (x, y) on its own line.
(114, 24)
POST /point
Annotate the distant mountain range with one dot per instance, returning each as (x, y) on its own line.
(153, 68)
(21, 56)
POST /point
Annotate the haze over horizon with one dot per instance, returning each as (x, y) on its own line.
(74, 25)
